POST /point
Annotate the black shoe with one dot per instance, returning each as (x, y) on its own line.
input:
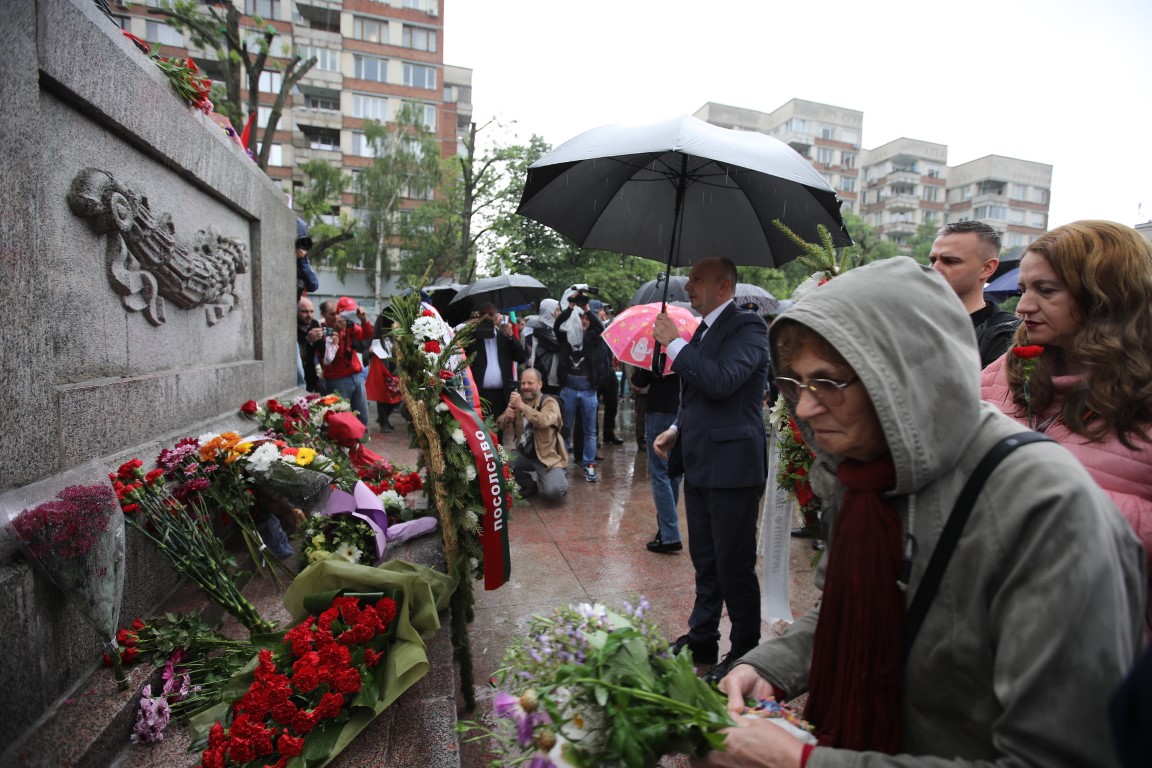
(807, 532)
(720, 671)
(659, 545)
(599, 457)
(613, 440)
(699, 655)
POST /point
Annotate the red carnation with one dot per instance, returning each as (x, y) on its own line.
(249, 408)
(446, 375)
(427, 313)
(432, 346)
(1028, 352)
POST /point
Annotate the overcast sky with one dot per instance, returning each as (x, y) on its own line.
(1064, 82)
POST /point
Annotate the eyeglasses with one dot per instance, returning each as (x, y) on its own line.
(826, 391)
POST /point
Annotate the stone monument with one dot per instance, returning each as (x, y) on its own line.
(147, 279)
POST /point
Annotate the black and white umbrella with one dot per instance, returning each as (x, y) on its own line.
(755, 298)
(505, 291)
(681, 190)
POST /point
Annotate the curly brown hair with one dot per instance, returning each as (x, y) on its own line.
(1107, 267)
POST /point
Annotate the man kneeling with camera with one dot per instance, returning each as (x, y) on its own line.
(541, 459)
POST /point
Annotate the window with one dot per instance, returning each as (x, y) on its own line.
(159, 33)
(929, 217)
(848, 159)
(321, 102)
(270, 82)
(1038, 195)
(827, 133)
(825, 155)
(966, 192)
(425, 113)
(1016, 216)
(800, 125)
(276, 155)
(370, 107)
(370, 68)
(371, 30)
(419, 38)
(322, 138)
(849, 136)
(1018, 191)
(361, 146)
(1037, 220)
(427, 193)
(326, 58)
(932, 171)
(931, 194)
(416, 76)
(996, 212)
(265, 9)
(262, 115)
(847, 184)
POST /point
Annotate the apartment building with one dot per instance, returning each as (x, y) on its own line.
(827, 136)
(904, 186)
(900, 185)
(372, 58)
(1010, 195)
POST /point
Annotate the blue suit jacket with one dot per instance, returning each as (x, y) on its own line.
(721, 418)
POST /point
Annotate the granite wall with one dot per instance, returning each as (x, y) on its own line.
(106, 354)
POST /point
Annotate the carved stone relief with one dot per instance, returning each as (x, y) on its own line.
(144, 262)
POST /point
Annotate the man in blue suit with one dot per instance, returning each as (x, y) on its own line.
(720, 434)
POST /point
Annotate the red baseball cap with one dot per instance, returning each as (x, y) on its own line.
(345, 304)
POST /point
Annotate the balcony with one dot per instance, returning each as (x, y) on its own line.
(902, 202)
(903, 176)
(320, 118)
(899, 228)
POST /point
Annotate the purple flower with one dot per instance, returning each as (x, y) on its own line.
(151, 718)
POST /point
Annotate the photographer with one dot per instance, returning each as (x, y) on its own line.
(306, 280)
(578, 333)
(495, 349)
(339, 361)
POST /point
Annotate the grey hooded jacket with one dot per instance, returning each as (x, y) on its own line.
(1038, 616)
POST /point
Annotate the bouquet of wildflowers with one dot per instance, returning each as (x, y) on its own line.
(76, 539)
(303, 691)
(594, 687)
(184, 532)
(340, 536)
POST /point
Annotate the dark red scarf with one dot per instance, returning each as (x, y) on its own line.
(855, 693)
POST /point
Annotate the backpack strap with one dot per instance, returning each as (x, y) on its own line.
(942, 554)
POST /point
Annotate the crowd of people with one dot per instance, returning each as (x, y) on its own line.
(985, 477)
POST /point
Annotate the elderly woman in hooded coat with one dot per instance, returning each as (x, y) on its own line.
(1037, 616)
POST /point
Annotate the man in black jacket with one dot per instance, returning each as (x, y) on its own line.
(966, 254)
(495, 349)
(578, 333)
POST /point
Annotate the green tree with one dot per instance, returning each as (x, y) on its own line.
(920, 244)
(241, 58)
(323, 188)
(405, 166)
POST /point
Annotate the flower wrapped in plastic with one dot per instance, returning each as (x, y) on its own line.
(75, 536)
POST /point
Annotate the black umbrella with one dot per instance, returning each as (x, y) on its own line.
(504, 291)
(654, 290)
(440, 294)
(680, 190)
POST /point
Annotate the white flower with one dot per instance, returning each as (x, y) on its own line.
(207, 437)
(441, 407)
(470, 472)
(301, 402)
(594, 611)
(390, 498)
(432, 358)
(809, 285)
(425, 328)
(349, 552)
(458, 436)
(341, 405)
(260, 460)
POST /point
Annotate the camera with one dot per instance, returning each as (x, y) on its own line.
(329, 331)
(304, 242)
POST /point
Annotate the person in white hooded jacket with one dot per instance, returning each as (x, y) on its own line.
(1037, 616)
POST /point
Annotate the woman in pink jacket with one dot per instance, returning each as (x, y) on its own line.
(1087, 300)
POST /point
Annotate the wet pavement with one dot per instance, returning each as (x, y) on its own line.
(589, 547)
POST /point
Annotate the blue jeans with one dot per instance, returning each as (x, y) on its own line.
(665, 489)
(585, 400)
(351, 388)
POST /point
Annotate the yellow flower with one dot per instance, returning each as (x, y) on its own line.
(304, 456)
(317, 555)
(318, 540)
(243, 448)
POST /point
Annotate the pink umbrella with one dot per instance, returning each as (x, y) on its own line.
(629, 335)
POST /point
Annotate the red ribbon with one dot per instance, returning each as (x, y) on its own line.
(490, 476)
